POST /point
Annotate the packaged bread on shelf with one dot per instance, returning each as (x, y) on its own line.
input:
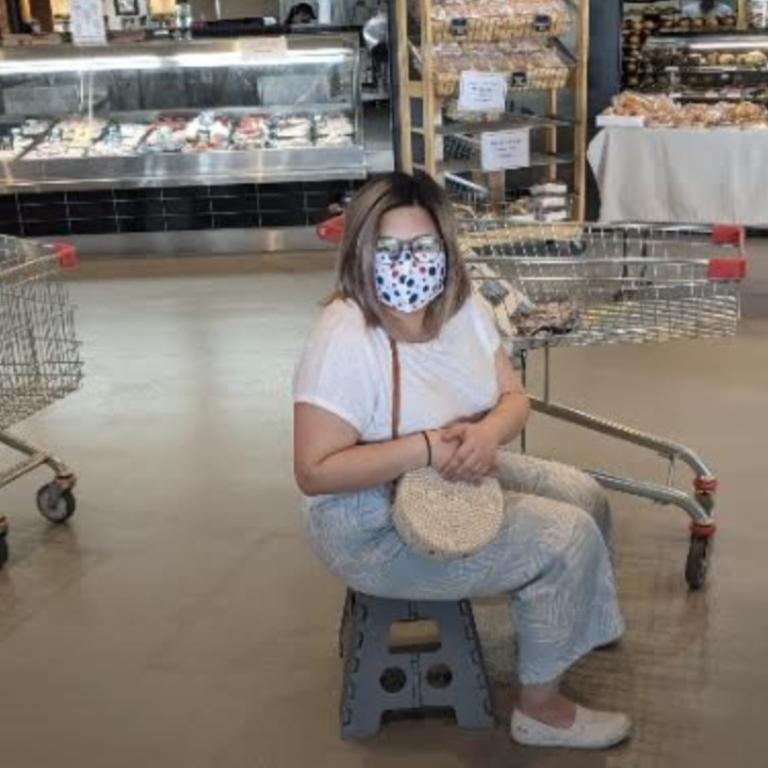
(493, 21)
(662, 112)
(527, 64)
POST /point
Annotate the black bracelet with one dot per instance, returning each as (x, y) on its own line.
(429, 449)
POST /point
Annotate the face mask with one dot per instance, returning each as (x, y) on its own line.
(409, 275)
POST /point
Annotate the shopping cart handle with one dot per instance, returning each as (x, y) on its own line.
(725, 234)
(67, 255)
(727, 269)
(331, 230)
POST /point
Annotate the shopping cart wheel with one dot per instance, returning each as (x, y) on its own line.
(55, 503)
(698, 561)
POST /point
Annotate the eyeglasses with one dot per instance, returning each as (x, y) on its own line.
(424, 249)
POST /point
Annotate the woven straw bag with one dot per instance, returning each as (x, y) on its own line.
(435, 517)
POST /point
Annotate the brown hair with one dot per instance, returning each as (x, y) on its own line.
(354, 277)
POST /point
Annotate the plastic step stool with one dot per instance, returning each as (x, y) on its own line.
(378, 679)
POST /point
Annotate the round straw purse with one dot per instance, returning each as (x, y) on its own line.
(436, 517)
(447, 520)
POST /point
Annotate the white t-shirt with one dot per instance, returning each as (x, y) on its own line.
(347, 369)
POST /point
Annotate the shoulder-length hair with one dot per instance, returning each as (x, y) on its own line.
(355, 271)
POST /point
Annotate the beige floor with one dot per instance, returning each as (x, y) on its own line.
(181, 620)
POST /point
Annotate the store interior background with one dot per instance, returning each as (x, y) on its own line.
(181, 619)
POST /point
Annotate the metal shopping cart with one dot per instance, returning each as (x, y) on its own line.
(569, 285)
(39, 362)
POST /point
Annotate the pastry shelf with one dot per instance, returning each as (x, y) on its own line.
(509, 122)
(538, 160)
(546, 73)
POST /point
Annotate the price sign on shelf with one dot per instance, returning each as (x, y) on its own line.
(256, 47)
(505, 150)
(482, 92)
(87, 22)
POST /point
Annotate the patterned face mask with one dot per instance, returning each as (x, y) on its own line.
(409, 274)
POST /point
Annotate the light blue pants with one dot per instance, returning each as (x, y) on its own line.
(552, 557)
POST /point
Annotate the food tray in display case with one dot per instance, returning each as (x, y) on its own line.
(198, 112)
(724, 66)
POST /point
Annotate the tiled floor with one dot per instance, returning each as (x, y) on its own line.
(181, 621)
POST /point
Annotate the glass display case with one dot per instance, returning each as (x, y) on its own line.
(243, 110)
(713, 67)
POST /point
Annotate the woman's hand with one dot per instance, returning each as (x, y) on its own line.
(442, 450)
(474, 451)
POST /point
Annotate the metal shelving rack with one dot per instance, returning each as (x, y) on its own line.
(423, 127)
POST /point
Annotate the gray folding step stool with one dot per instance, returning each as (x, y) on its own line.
(378, 679)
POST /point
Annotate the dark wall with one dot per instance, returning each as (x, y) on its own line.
(604, 72)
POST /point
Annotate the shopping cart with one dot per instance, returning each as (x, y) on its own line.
(568, 285)
(39, 362)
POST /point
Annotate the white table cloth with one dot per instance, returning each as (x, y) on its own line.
(705, 176)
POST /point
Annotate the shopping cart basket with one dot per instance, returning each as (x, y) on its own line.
(568, 285)
(39, 361)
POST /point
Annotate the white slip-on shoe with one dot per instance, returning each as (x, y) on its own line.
(591, 729)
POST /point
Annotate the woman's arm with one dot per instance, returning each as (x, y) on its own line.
(476, 455)
(328, 459)
(509, 417)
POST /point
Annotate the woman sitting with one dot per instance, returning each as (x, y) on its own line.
(401, 277)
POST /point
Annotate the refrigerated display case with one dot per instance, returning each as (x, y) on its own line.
(713, 68)
(157, 114)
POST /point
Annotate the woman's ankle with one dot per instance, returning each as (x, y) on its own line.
(546, 704)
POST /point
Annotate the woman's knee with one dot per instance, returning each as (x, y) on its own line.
(558, 530)
(583, 491)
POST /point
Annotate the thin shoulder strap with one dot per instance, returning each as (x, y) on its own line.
(395, 389)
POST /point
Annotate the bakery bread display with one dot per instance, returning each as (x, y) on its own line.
(663, 112)
(527, 64)
(494, 21)
(640, 68)
(548, 201)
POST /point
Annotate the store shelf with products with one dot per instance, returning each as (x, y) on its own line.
(655, 31)
(534, 57)
(169, 114)
(651, 19)
(719, 67)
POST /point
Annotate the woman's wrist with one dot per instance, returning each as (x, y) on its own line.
(500, 422)
(495, 427)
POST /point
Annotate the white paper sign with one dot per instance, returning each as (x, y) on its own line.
(482, 92)
(87, 22)
(505, 150)
(255, 47)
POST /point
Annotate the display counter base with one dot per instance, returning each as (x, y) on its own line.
(199, 243)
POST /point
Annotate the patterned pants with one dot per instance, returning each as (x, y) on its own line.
(552, 557)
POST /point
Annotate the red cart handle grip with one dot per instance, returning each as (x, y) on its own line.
(727, 269)
(66, 254)
(331, 230)
(724, 234)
